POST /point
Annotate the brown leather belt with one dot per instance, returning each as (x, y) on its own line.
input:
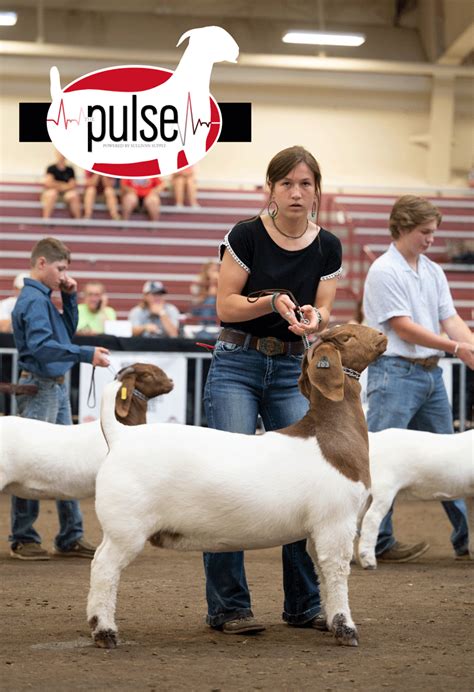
(426, 363)
(269, 345)
(59, 380)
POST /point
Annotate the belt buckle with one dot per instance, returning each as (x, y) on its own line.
(270, 346)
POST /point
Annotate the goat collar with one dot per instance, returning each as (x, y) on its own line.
(352, 373)
(139, 395)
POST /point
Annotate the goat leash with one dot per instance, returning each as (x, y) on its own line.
(255, 295)
(91, 393)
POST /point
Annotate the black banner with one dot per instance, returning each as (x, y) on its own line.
(236, 122)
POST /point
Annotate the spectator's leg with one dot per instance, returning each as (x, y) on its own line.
(71, 197)
(112, 202)
(191, 188)
(129, 203)
(178, 183)
(90, 196)
(48, 200)
(152, 205)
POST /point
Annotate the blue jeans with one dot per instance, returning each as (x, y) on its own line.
(404, 395)
(50, 404)
(243, 383)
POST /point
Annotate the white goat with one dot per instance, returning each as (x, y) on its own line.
(415, 465)
(193, 488)
(45, 461)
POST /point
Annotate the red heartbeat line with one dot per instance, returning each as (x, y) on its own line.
(67, 121)
(189, 113)
(194, 127)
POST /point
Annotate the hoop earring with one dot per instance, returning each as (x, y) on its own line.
(314, 209)
(273, 210)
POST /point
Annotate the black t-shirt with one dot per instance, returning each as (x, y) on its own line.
(270, 266)
(62, 176)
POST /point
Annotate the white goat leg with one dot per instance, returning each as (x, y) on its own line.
(334, 568)
(109, 561)
(370, 530)
(312, 552)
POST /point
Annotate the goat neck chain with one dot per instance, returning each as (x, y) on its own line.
(139, 395)
(352, 373)
(287, 235)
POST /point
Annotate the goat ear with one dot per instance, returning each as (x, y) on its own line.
(184, 37)
(123, 399)
(325, 372)
(303, 378)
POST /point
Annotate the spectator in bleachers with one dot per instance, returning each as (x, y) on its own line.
(94, 311)
(60, 181)
(407, 297)
(154, 316)
(203, 295)
(183, 185)
(141, 193)
(96, 184)
(7, 305)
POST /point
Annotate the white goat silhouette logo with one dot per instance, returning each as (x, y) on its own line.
(142, 121)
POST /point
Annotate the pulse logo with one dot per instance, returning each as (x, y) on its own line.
(139, 121)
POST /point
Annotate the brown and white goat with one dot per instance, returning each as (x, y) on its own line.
(41, 460)
(192, 488)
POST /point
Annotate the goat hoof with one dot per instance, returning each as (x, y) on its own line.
(345, 635)
(105, 639)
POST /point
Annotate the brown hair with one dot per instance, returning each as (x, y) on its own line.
(52, 250)
(284, 162)
(410, 211)
(99, 285)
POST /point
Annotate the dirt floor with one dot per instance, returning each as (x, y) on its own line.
(414, 620)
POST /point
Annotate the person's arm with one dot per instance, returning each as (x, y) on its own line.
(5, 325)
(69, 297)
(50, 182)
(42, 344)
(139, 323)
(169, 325)
(414, 333)
(70, 185)
(459, 332)
(231, 305)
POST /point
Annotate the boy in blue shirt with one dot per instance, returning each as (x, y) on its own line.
(43, 338)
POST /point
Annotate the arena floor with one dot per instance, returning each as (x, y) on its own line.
(415, 623)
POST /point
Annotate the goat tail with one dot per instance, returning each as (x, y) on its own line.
(111, 428)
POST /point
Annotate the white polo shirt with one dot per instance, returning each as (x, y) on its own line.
(394, 289)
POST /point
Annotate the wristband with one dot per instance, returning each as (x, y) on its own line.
(272, 302)
(456, 349)
(319, 316)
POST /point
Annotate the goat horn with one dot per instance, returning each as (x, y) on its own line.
(130, 370)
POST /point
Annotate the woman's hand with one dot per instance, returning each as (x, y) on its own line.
(309, 324)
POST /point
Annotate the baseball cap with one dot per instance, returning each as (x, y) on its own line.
(154, 287)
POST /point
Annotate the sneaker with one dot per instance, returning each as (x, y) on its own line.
(242, 626)
(29, 551)
(80, 548)
(401, 552)
(317, 623)
(462, 555)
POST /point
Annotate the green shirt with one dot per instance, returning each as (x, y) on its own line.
(94, 321)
